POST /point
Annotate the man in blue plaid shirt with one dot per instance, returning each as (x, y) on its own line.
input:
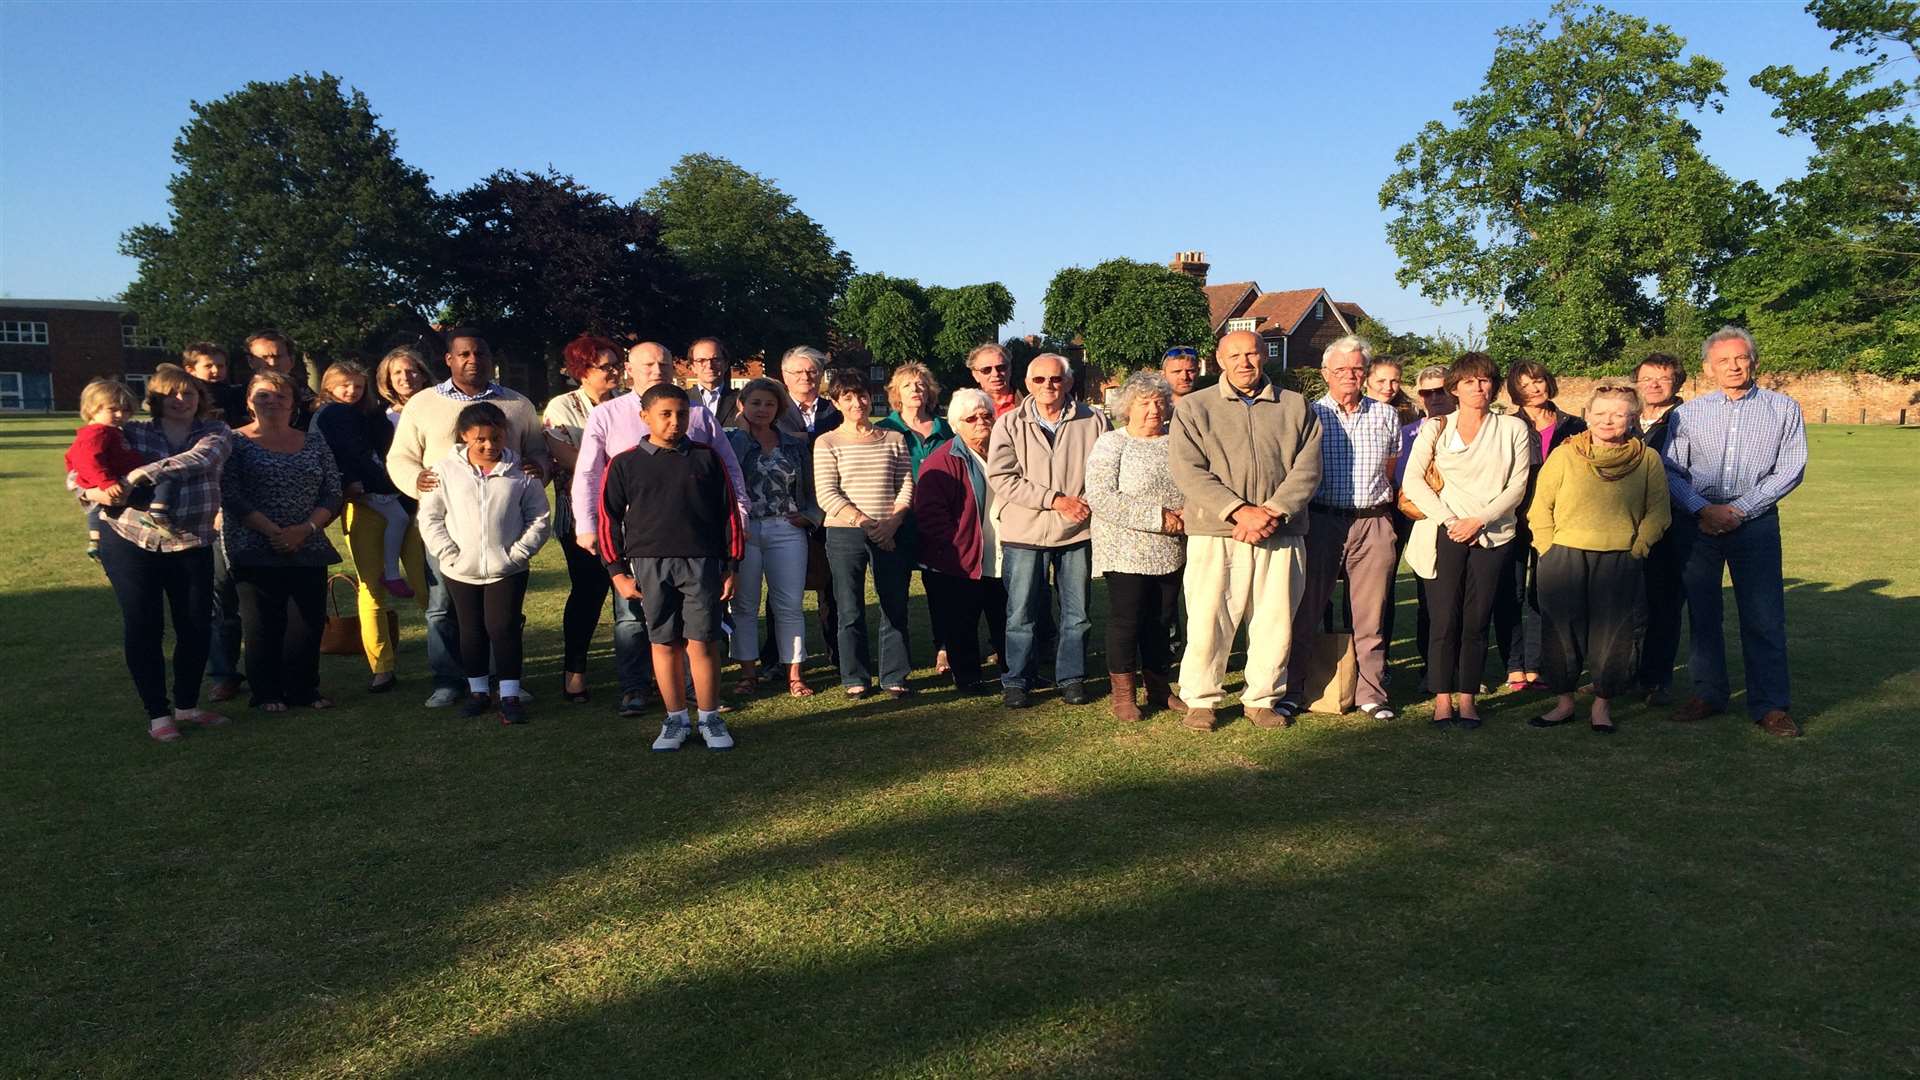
(1349, 526)
(1732, 455)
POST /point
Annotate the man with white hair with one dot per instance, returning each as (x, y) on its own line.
(1731, 456)
(802, 369)
(1350, 530)
(992, 372)
(1037, 466)
(1246, 454)
(614, 427)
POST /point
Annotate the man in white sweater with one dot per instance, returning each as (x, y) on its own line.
(424, 436)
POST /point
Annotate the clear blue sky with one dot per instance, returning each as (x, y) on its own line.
(950, 143)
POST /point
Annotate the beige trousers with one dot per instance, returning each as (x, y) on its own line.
(1227, 583)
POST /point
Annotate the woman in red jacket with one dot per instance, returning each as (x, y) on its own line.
(959, 541)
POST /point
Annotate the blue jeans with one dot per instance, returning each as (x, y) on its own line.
(849, 552)
(1752, 553)
(632, 652)
(1025, 571)
(443, 632)
(223, 648)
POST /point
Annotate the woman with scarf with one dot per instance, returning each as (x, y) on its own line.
(1598, 506)
(959, 541)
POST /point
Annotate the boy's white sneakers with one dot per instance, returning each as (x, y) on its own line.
(713, 732)
(673, 734)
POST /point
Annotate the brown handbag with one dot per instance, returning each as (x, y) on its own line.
(1407, 506)
(341, 635)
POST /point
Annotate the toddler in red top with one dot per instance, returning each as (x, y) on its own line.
(100, 458)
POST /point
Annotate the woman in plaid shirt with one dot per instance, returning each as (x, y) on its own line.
(152, 569)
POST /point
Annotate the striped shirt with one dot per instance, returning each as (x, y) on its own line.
(1747, 452)
(195, 469)
(856, 476)
(1354, 450)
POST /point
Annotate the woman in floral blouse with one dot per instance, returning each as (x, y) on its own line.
(778, 468)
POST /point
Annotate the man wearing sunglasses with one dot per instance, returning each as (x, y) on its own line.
(993, 374)
(1181, 368)
(1037, 466)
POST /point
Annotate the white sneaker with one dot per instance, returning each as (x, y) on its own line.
(673, 734)
(444, 697)
(713, 732)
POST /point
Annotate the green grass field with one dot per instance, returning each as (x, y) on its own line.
(936, 888)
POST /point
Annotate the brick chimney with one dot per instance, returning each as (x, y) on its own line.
(1191, 263)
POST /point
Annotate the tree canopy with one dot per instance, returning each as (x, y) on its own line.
(291, 207)
(899, 320)
(767, 273)
(1127, 313)
(1570, 194)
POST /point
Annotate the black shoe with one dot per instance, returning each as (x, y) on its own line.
(1543, 721)
(1659, 697)
(1015, 697)
(1440, 723)
(1601, 729)
(633, 703)
(511, 711)
(476, 705)
(381, 686)
(1466, 723)
(1074, 692)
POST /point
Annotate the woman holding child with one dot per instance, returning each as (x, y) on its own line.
(154, 571)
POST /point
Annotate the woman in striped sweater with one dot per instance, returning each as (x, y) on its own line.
(864, 479)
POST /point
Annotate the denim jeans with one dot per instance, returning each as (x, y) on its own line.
(148, 584)
(849, 553)
(443, 631)
(632, 652)
(223, 647)
(1025, 571)
(1752, 553)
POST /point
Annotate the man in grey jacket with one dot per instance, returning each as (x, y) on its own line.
(1037, 467)
(1246, 454)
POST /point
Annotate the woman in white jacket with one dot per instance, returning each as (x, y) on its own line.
(482, 523)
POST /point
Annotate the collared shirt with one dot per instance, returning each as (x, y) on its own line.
(614, 426)
(196, 470)
(808, 412)
(711, 398)
(1747, 452)
(1354, 450)
(447, 389)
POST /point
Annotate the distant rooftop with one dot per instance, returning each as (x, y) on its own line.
(67, 305)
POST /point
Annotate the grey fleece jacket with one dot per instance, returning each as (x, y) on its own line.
(1027, 469)
(1225, 453)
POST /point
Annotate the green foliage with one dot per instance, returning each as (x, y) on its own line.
(291, 207)
(896, 332)
(933, 324)
(1126, 313)
(1834, 278)
(536, 258)
(1566, 184)
(768, 273)
(964, 317)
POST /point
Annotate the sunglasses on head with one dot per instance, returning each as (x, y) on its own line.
(1182, 352)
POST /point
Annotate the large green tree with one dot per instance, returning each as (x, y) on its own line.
(1569, 195)
(768, 272)
(291, 208)
(1127, 313)
(963, 318)
(1834, 279)
(899, 320)
(536, 258)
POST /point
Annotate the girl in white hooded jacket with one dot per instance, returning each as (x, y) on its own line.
(482, 523)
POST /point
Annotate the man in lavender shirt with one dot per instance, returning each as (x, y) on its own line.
(614, 427)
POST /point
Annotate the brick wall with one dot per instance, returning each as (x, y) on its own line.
(1832, 397)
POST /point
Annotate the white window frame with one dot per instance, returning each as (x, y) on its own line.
(18, 394)
(1234, 326)
(132, 338)
(1319, 310)
(1273, 350)
(14, 332)
(137, 384)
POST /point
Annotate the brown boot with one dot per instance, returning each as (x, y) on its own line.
(1199, 719)
(1695, 709)
(1268, 718)
(1123, 688)
(1779, 723)
(1160, 695)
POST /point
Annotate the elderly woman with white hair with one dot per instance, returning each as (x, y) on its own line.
(1598, 506)
(960, 541)
(1138, 542)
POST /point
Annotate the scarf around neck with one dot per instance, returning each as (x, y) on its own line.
(1609, 463)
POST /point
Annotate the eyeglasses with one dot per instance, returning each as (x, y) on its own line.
(1001, 368)
(1429, 391)
(1046, 380)
(977, 418)
(615, 370)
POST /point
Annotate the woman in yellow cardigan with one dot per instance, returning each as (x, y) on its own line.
(1599, 505)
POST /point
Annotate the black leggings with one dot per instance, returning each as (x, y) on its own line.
(282, 611)
(148, 584)
(489, 615)
(586, 599)
(1139, 608)
(1460, 597)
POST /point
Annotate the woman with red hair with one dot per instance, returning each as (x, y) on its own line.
(594, 362)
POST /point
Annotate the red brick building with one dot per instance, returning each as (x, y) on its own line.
(51, 349)
(1295, 326)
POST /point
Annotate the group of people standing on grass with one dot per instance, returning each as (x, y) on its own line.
(1207, 510)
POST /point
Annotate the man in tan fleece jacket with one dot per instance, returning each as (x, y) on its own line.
(1246, 454)
(1037, 467)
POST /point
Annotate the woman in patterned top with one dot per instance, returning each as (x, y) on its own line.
(280, 490)
(778, 466)
(1138, 541)
(596, 364)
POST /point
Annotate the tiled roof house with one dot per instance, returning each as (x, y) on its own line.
(1295, 326)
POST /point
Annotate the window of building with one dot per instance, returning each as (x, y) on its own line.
(132, 337)
(1273, 350)
(137, 384)
(13, 391)
(1319, 311)
(1234, 326)
(876, 373)
(23, 333)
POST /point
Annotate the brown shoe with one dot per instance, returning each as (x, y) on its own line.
(1779, 723)
(224, 690)
(1267, 718)
(1123, 703)
(1160, 695)
(1696, 709)
(1200, 719)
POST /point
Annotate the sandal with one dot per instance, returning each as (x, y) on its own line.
(320, 703)
(272, 706)
(201, 718)
(162, 730)
(1379, 712)
(856, 692)
(747, 686)
(899, 692)
(799, 688)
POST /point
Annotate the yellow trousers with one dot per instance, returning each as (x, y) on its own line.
(366, 540)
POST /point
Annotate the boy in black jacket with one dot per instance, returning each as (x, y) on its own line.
(671, 537)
